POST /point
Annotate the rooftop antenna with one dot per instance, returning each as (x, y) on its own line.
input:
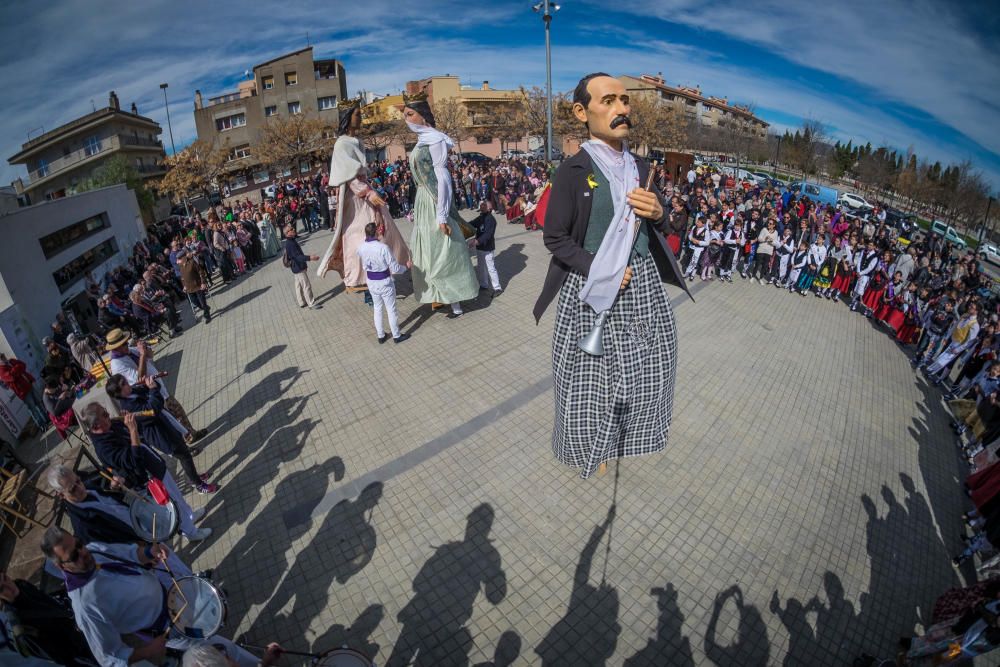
(93, 107)
(308, 43)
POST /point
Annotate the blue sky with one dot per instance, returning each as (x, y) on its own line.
(903, 73)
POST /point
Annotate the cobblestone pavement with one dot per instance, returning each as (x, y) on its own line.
(404, 499)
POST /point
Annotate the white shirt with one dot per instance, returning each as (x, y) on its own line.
(112, 604)
(691, 176)
(129, 369)
(439, 157)
(376, 256)
(817, 254)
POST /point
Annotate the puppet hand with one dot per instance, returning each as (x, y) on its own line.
(445, 228)
(627, 277)
(645, 204)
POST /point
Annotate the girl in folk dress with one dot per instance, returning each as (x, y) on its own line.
(785, 249)
(877, 285)
(841, 285)
(799, 261)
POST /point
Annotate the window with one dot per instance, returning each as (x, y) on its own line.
(43, 167)
(240, 152)
(54, 243)
(91, 146)
(327, 102)
(484, 140)
(261, 176)
(271, 110)
(294, 108)
(303, 166)
(239, 181)
(287, 171)
(267, 82)
(229, 122)
(73, 271)
(812, 190)
(291, 78)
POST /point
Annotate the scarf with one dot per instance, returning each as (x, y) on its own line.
(428, 136)
(347, 161)
(608, 268)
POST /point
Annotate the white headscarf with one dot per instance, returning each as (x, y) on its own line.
(347, 160)
(427, 135)
(608, 267)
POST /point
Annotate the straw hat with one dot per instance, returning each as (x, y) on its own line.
(116, 338)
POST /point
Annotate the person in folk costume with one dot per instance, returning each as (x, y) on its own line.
(785, 249)
(442, 267)
(962, 336)
(866, 263)
(817, 255)
(841, 284)
(732, 245)
(713, 253)
(877, 286)
(621, 404)
(827, 271)
(914, 309)
(799, 261)
(698, 239)
(892, 300)
(983, 353)
(359, 204)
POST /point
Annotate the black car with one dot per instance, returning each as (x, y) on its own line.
(478, 158)
(904, 222)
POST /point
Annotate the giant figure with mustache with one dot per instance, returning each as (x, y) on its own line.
(608, 254)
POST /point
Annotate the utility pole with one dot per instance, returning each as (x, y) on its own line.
(547, 8)
(170, 129)
(777, 157)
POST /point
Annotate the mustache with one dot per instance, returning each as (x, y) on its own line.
(621, 119)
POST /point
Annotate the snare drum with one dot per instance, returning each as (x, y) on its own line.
(197, 608)
(142, 512)
(344, 657)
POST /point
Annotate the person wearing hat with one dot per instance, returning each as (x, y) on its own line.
(360, 204)
(136, 364)
(194, 280)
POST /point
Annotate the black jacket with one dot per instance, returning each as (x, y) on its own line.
(566, 228)
(91, 525)
(486, 226)
(136, 464)
(297, 259)
(155, 431)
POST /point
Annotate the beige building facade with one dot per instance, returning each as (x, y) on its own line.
(288, 85)
(59, 160)
(713, 112)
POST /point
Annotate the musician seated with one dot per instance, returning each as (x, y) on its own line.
(119, 594)
(100, 516)
(41, 626)
(206, 655)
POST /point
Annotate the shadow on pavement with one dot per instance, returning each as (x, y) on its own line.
(445, 591)
(510, 262)
(588, 633)
(343, 546)
(751, 646)
(669, 646)
(242, 301)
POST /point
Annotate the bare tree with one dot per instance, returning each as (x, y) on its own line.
(195, 169)
(286, 140)
(452, 118)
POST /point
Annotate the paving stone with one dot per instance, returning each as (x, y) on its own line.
(805, 508)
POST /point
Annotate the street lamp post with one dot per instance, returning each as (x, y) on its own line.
(170, 130)
(547, 8)
(776, 158)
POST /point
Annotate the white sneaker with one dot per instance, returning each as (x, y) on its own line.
(199, 535)
(198, 514)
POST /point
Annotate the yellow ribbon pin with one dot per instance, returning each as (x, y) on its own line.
(591, 181)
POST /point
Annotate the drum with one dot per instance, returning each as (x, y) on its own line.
(142, 512)
(344, 657)
(197, 608)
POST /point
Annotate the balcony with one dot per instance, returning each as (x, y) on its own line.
(90, 153)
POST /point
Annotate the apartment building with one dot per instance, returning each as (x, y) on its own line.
(60, 159)
(714, 112)
(288, 85)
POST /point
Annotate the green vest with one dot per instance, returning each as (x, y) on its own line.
(601, 213)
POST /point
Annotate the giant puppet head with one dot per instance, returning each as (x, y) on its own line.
(601, 103)
(350, 120)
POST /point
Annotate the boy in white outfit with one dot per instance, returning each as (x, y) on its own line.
(379, 265)
(799, 261)
(699, 239)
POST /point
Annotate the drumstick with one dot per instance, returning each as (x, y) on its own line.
(171, 573)
(128, 491)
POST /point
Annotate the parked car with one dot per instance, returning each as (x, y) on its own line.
(904, 222)
(854, 201)
(948, 232)
(816, 192)
(991, 253)
(474, 156)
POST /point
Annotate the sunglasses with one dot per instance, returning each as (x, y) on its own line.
(74, 555)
